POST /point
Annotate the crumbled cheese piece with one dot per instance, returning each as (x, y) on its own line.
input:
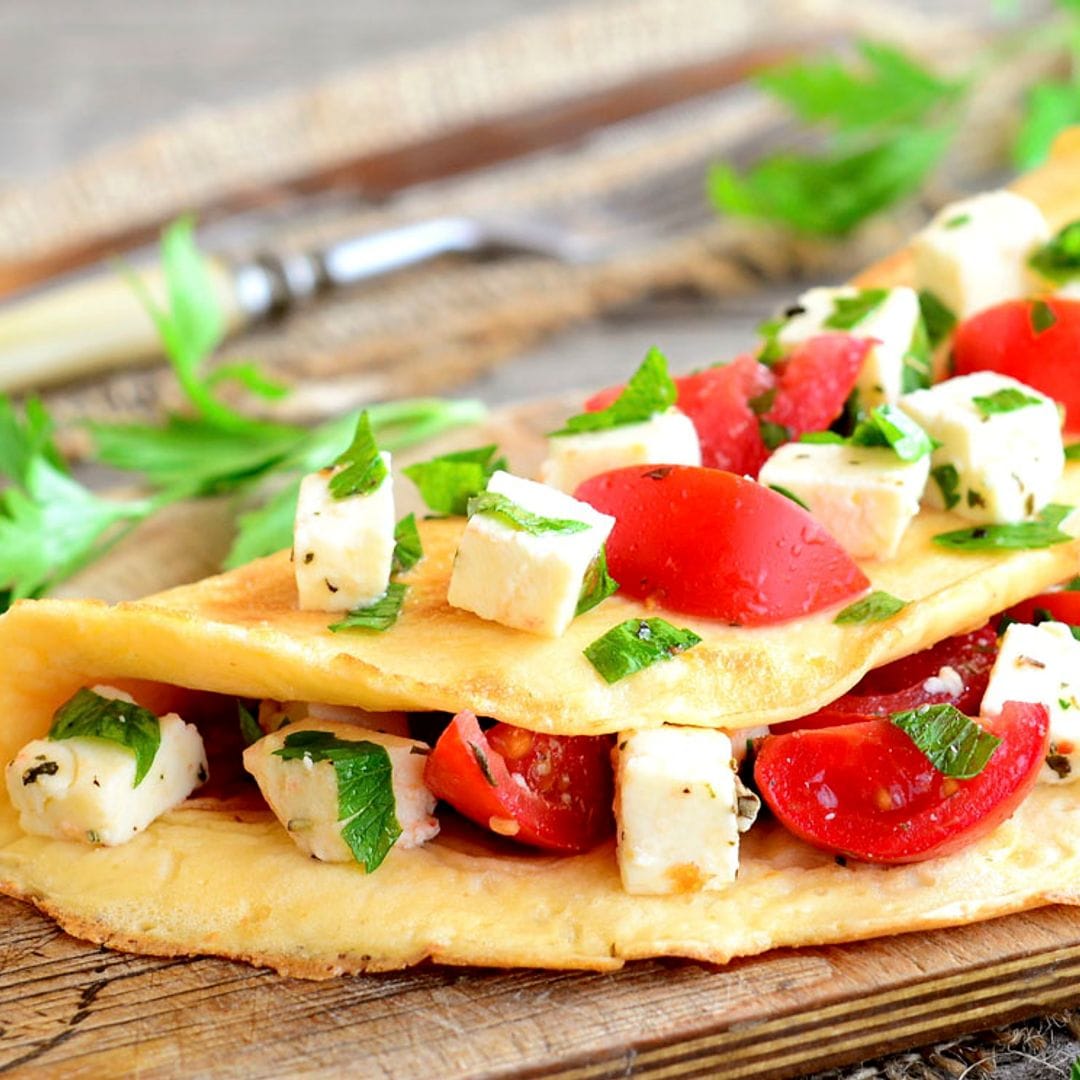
(517, 579)
(277, 714)
(1041, 664)
(677, 810)
(343, 549)
(974, 253)
(83, 788)
(668, 438)
(304, 793)
(947, 681)
(893, 324)
(865, 496)
(997, 467)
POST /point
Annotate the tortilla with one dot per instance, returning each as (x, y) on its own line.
(222, 877)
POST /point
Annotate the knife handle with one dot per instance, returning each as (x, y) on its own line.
(89, 326)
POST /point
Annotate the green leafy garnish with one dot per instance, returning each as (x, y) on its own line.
(937, 318)
(378, 616)
(823, 438)
(598, 584)
(250, 731)
(447, 483)
(1019, 536)
(637, 644)
(849, 311)
(366, 802)
(1058, 260)
(772, 350)
(773, 434)
(1007, 399)
(957, 221)
(1042, 316)
(917, 361)
(408, 550)
(90, 716)
(876, 607)
(955, 745)
(651, 390)
(1072, 452)
(890, 426)
(362, 467)
(516, 517)
(948, 481)
(789, 495)
(26, 440)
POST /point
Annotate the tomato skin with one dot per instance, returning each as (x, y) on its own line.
(551, 766)
(899, 686)
(1003, 339)
(706, 542)
(866, 791)
(813, 382)
(1063, 606)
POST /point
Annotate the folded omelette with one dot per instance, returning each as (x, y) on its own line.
(219, 875)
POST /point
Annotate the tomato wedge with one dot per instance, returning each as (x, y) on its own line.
(901, 685)
(1062, 606)
(1014, 339)
(865, 790)
(707, 542)
(549, 791)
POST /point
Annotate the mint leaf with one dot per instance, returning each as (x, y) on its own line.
(876, 607)
(651, 390)
(955, 745)
(516, 517)
(938, 319)
(446, 483)
(890, 426)
(378, 616)
(408, 550)
(1058, 260)
(849, 311)
(90, 716)
(1008, 399)
(598, 584)
(1020, 536)
(362, 468)
(366, 803)
(637, 644)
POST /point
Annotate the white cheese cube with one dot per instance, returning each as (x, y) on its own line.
(529, 582)
(1041, 664)
(865, 496)
(990, 467)
(676, 810)
(82, 788)
(668, 438)
(343, 549)
(973, 254)
(279, 714)
(893, 324)
(303, 793)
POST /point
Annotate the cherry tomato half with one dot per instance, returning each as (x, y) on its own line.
(1006, 338)
(1062, 606)
(549, 791)
(707, 542)
(865, 790)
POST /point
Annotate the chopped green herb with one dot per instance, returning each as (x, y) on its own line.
(890, 426)
(1051, 107)
(1023, 535)
(1042, 316)
(1072, 452)
(88, 715)
(955, 745)
(637, 644)
(516, 517)
(917, 362)
(772, 434)
(948, 481)
(378, 616)
(362, 467)
(822, 438)
(789, 495)
(1058, 260)
(957, 221)
(771, 350)
(250, 731)
(939, 320)
(651, 390)
(366, 803)
(876, 607)
(763, 402)
(598, 584)
(1007, 399)
(1072, 585)
(446, 483)
(849, 311)
(408, 550)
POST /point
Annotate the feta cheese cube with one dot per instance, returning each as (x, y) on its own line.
(279, 714)
(82, 788)
(973, 254)
(668, 438)
(991, 466)
(889, 368)
(303, 793)
(1041, 664)
(677, 810)
(865, 496)
(515, 578)
(343, 549)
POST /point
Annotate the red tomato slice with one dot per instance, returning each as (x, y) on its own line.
(1004, 339)
(550, 791)
(900, 685)
(707, 542)
(1062, 606)
(865, 790)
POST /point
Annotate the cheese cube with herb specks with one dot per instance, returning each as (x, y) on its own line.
(668, 438)
(83, 788)
(865, 496)
(303, 793)
(1001, 455)
(1041, 664)
(343, 549)
(529, 582)
(677, 810)
(974, 253)
(893, 323)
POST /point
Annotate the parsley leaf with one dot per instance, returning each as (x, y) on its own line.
(849, 311)
(90, 716)
(651, 390)
(1018, 536)
(637, 644)
(938, 319)
(23, 441)
(1007, 399)
(362, 467)
(954, 744)
(916, 371)
(1058, 260)
(378, 616)
(890, 426)
(598, 584)
(366, 803)
(447, 482)
(876, 607)
(516, 517)
(408, 550)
